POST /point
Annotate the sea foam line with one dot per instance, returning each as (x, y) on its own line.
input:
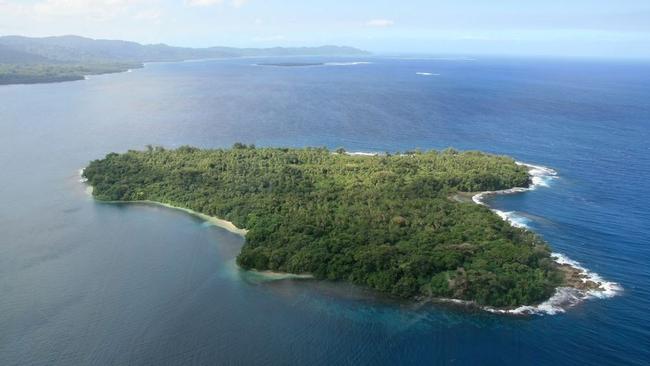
(564, 297)
(541, 176)
(362, 153)
(82, 179)
(354, 63)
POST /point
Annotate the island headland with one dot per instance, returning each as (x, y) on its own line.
(381, 221)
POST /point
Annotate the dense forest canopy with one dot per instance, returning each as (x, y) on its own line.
(385, 221)
(48, 73)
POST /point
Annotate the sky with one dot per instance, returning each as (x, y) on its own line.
(579, 28)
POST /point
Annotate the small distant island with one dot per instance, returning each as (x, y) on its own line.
(27, 60)
(391, 222)
(293, 64)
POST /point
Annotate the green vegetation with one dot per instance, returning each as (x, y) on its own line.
(25, 60)
(385, 222)
(48, 73)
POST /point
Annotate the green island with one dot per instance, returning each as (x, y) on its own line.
(52, 73)
(393, 222)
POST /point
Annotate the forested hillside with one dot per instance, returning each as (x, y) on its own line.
(385, 222)
(49, 73)
(50, 59)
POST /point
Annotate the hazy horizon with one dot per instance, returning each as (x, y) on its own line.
(552, 28)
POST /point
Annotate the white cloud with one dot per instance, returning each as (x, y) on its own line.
(239, 3)
(203, 2)
(95, 9)
(11, 9)
(149, 15)
(380, 23)
(94, 18)
(234, 3)
(274, 38)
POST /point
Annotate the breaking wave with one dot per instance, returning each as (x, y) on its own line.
(82, 179)
(362, 153)
(607, 288)
(347, 63)
(513, 218)
(564, 297)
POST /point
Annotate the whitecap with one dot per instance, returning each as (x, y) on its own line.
(541, 176)
(426, 74)
(419, 58)
(82, 179)
(362, 153)
(355, 63)
(563, 298)
(513, 218)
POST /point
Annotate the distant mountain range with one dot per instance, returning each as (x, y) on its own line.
(25, 60)
(81, 50)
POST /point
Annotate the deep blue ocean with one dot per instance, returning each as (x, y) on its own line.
(85, 283)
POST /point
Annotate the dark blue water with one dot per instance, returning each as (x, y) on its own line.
(83, 283)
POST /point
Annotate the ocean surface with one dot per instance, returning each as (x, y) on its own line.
(85, 283)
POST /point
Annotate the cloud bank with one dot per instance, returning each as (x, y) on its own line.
(380, 23)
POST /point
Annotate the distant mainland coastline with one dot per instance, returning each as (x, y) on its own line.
(26, 60)
(292, 64)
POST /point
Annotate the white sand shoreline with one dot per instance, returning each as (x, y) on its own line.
(221, 223)
(224, 224)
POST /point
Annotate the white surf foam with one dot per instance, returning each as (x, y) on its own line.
(607, 289)
(541, 176)
(564, 297)
(426, 74)
(361, 153)
(355, 63)
(479, 197)
(513, 218)
(419, 58)
(82, 179)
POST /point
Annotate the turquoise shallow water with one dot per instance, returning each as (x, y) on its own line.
(88, 283)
